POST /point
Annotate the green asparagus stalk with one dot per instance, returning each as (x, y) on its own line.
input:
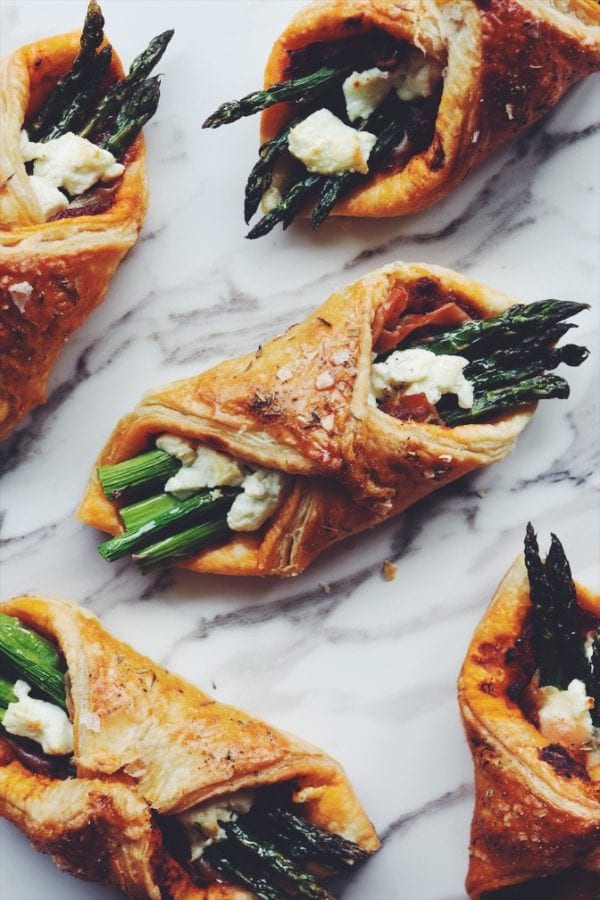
(563, 600)
(139, 105)
(178, 546)
(517, 357)
(309, 842)
(545, 641)
(81, 104)
(141, 471)
(137, 514)
(7, 696)
(516, 322)
(295, 198)
(219, 858)
(261, 175)
(113, 100)
(271, 858)
(493, 402)
(18, 651)
(299, 89)
(593, 683)
(184, 512)
(30, 641)
(70, 83)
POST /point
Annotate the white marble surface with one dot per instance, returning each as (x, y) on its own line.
(368, 670)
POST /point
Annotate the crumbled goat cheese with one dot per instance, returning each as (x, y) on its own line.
(271, 198)
(209, 469)
(202, 822)
(564, 716)
(416, 77)
(589, 645)
(20, 293)
(39, 721)
(70, 162)
(50, 199)
(262, 494)
(364, 91)
(325, 145)
(177, 446)
(419, 371)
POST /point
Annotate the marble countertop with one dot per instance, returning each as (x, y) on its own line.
(363, 667)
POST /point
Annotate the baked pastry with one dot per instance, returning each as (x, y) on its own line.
(73, 194)
(149, 784)
(529, 694)
(381, 107)
(258, 465)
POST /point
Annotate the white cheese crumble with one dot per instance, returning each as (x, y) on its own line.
(419, 371)
(39, 721)
(326, 145)
(364, 91)
(202, 822)
(20, 294)
(416, 77)
(209, 469)
(262, 493)
(588, 647)
(271, 198)
(177, 446)
(70, 162)
(50, 199)
(564, 716)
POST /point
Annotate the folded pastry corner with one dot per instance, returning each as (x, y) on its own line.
(311, 441)
(69, 211)
(529, 694)
(379, 108)
(165, 791)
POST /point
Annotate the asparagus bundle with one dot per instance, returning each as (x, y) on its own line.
(559, 647)
(509, 356)
(26, 655)
(79, 103)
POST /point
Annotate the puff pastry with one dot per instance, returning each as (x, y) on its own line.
(148, 745)
(537, 805)
(507, 62)
(300, 405)
(53, 274)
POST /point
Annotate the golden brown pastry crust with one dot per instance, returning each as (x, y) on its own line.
(356, 465)
(69, 262)
(507, 63)
(537, 809)
(147, 742)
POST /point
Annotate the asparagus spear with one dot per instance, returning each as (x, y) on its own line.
(542, 387)
(139, 106)
(184, 512)
(141, 471)
(299, 89)
(17, 650)
(79, 107)
(139, 69)
(137, 514)
(310, 842)
(539, 354)
(545, 641)
(70, 83)
(178, 546)
(593, 682)
(562, 600)
(218, 856)
(515, 323)
(261, 175)
(30, 641)
(304, 883)
(289, 207)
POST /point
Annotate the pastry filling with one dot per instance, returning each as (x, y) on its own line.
(34, 719)
(183, 496)
(357, 107)
(71, 145)
(259, 840)
(477, 369)
(563, 696)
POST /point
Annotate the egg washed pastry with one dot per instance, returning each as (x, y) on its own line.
(379, 108)
(73, 194)
(130, 776)
(258, 465)
(529, 694)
